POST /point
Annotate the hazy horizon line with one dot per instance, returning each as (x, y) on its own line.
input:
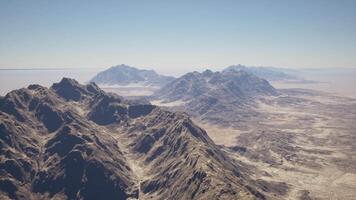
(153, 68)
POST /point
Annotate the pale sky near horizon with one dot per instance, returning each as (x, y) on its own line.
(176, 36)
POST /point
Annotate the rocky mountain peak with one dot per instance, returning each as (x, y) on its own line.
(237, 67)
(70, 89)
(125, 75)
(238, 84)
(208, 94)
(207, 72)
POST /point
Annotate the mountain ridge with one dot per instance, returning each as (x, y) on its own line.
(215, 96)
(268, 73)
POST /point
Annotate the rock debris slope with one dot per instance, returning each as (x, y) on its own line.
(75, 141)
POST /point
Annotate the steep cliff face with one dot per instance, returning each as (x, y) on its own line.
(77, 142)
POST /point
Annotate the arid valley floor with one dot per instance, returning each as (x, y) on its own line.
(309, 144)
(303, 138)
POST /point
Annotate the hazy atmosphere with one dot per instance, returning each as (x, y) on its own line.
(173, 37)
(181, 100)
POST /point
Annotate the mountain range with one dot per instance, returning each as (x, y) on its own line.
(124, 75)
(73, 141)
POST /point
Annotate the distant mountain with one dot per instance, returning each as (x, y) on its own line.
(230, 84)
(125, 75)
(76, 141)
(215, 95)
(268, 73)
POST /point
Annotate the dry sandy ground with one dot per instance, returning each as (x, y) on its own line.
(305, 139)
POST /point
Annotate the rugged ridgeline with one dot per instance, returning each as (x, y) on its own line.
(218, 97)
(75, 141)
(125, 75)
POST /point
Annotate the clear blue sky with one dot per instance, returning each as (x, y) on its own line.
(175, 36)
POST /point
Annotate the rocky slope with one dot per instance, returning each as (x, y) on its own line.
(125, 75)
(75, 141)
